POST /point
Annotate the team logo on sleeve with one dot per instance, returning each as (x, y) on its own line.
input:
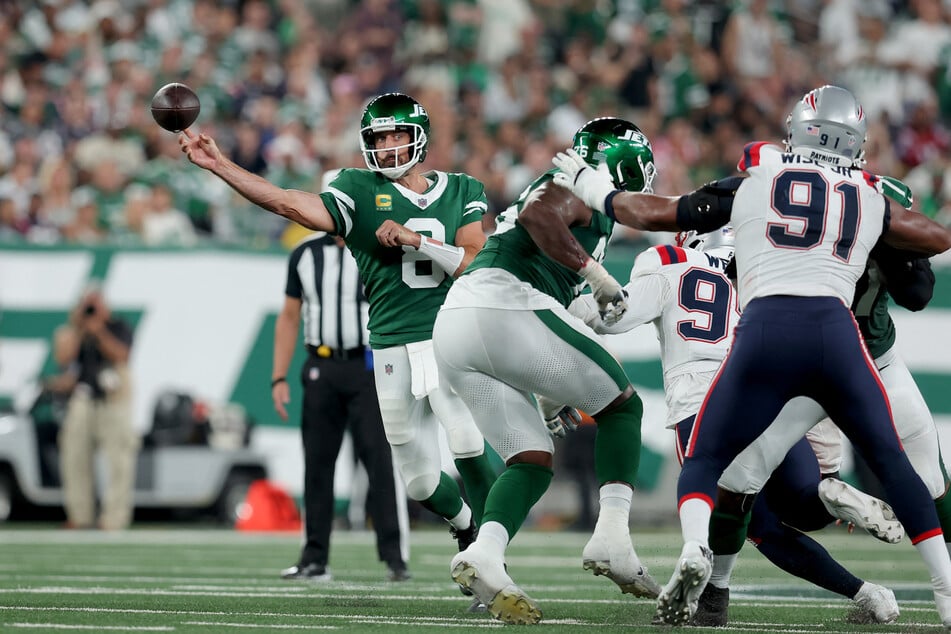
(384, 202)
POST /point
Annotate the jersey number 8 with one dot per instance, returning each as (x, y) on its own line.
(411, 274)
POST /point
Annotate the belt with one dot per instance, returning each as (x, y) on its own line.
(326, 352)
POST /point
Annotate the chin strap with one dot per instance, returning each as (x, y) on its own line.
(445, 256)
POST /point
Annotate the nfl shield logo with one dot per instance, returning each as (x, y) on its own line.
(388, 368)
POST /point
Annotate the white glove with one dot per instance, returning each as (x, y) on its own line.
(568, 418)
(558, 417)
(589, 184)
(611, 296)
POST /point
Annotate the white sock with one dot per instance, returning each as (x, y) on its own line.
(695, 521)
(723, 570)
(935, 554)
(615, 509)
(494, 537)
(463, 518)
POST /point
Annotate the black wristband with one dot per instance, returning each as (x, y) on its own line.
(280, 379)
(609, 204)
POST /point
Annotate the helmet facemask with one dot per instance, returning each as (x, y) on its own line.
(375, 157)
(394, 112)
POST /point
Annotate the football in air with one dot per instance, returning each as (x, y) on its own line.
(175, 107)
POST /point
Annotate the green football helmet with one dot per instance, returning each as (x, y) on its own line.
(623, 147)
(387, 113)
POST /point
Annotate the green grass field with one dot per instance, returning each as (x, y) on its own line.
(170, 579)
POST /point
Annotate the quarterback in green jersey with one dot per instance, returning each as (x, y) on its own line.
(411, 232)
(504, 336)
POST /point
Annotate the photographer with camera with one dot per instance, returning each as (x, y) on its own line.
(92, 349)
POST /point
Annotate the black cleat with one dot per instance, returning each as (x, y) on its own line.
(398, 572)
(464, 536)
(712, 607)
(309, 572)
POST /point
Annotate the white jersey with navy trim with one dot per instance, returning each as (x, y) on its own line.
(693, 307)
(814, 236)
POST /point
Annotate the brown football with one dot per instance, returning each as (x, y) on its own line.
(175, 107)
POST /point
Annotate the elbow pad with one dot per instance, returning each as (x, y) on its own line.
(709, 207)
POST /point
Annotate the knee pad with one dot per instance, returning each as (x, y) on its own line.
(420, 475)
(462, 435)
(464, 439)
(397, 422)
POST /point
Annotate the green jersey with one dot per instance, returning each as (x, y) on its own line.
(870, 305)
(511, 248)
(404, 289)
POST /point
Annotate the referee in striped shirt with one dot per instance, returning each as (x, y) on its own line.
(324, 288)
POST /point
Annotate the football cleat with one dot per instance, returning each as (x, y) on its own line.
(873, 604)
(464, 538)
(848, 504)
(308, 572)
(712, 607)
(616, 560)
(488, 581)
(678, 600)
(943, 603)
(477, 607)
(398, 572)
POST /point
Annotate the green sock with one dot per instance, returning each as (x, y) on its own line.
(514, 494)
(617, 446)
(477, 476)
(728, 531)
(446, 500)
(943, 506)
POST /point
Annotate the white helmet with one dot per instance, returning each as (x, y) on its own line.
(718, 243)
(828, 125)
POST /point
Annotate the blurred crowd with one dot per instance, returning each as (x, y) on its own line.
(283, 83)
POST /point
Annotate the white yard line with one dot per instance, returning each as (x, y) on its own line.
(97, 628)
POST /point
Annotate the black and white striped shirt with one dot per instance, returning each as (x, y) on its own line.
(324, 277)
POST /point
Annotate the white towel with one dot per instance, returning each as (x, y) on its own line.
(422, 364)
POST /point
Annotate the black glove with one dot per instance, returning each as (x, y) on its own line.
(709, 207)
(908, 276)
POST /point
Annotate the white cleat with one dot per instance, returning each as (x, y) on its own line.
(616, 560)
(873, 604)
(861, 509)
(677, 602)
(478, 571)
(943, 602)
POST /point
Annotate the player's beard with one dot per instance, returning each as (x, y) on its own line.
(389, 160)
